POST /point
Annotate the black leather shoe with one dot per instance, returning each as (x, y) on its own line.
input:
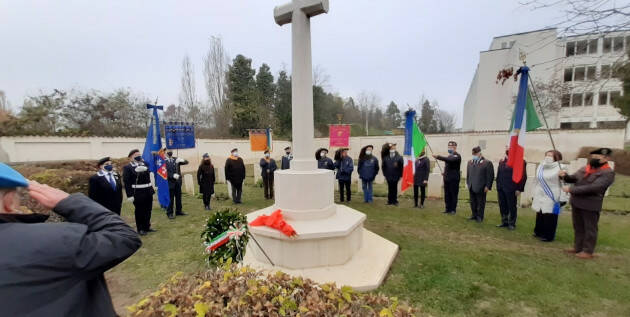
(142, 233)
(151, 230)
(171, 217)
(181, 214)
(502, 226)
(511, 228)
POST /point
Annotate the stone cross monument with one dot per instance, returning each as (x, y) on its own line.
(331, 245)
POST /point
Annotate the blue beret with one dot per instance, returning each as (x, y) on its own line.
(10, 178)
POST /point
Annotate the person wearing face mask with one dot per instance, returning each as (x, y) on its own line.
(548, 196)
(286, 159)
(235, 174)
(137, 181)
(451, 175)
(368, 169)
(57, 268)
(173, 168)
(205, 179)
(323, 161)
(105, 186)
(268, 167)
(479, 179)
(392, 170)
(587, 194)
(422, 168)
(344, 166)
(508, 191)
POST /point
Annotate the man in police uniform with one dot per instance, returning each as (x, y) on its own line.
(587, 195)
(105, 186)
(139, 190)
(174, 184)
(286, 159)
(451, 177)
(57, 268)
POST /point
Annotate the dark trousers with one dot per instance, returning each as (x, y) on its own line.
(237, 190)
(507, 207)
(344, 186)
(268, 186)
(176, 199)
(423, 195)
(546, 225)
(392, 192)
(451, 191)
(143, 203)
(206, 199)
(585, 227)
(477, 204)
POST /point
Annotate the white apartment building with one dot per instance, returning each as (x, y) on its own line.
(577, 67)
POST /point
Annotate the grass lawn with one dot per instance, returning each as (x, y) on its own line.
(447, 266)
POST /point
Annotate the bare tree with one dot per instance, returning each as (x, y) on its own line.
(367, 101)
(188, 95)
(215, 67)
(4, 106)
(587, 16)
(320, 77)
(446, 120)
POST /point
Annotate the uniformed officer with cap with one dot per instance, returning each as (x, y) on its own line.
(587, 194)
(286, 159)
(57, 269)
(174, 171)
(137, 180)
(105, 186)
(451, 177)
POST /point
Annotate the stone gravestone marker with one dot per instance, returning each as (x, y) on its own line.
(435, 185)
(257, 171)
(190, 185)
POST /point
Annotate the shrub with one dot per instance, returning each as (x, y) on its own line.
(241, 291)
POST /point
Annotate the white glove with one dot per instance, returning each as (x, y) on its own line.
(176, 176)
(180, 160)
(130, 199)
(141, 169)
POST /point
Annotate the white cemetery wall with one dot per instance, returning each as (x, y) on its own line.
(39, 148)
(189, 184)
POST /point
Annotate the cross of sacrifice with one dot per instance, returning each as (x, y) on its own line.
(298, 13)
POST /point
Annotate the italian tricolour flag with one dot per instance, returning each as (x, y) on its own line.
(414, 145)
(524, 119)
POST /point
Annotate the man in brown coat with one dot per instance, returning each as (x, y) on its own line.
(587, 195)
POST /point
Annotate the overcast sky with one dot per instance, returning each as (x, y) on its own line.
(398, 50)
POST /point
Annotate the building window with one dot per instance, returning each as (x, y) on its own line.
(605, 72)
(581, 47)
(576, 100)
(614, 72)
(570, 48)
(503, 44)
(618, 44)
(568, 74)
(590, 72)
(592, 46)
(614, 95)
(588, 99)
(566, 100)
(574, 125)
(603, 98)
(607, 45)
(580, 74)
(611, 124)
(512, 44)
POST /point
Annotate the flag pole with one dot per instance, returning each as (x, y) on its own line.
(553, 144)
(437, 162)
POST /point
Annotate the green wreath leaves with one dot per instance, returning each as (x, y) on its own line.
(220, 222)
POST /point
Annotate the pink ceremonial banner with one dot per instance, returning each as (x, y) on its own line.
(339, 135)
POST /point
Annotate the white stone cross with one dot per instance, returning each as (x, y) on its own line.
(298, 13)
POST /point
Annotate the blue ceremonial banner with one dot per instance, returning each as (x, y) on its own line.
(153, 155)
(179, 135)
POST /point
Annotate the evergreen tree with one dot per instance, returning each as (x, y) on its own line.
(265, 90)
(428, 123)
(392, 116)
(242, 95)
(282, 109)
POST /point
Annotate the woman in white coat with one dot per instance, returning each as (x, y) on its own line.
(548, 196)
